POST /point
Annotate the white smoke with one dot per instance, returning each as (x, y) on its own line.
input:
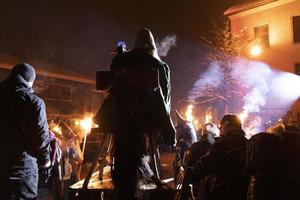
(211, 78)
(272, 90)
(255, 76)
(165, 45)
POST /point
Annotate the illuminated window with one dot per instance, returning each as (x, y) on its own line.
(296, 28)
(297, 69)
(261, 33)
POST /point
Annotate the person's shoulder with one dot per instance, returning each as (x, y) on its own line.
(34, 99)
(120, 59)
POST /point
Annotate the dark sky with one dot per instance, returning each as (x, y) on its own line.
(79, 35)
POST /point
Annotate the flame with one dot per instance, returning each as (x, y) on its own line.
(208, 117)
(189, 113)
(86, 124)
(251, 128)
(57, 129)
(243, 116)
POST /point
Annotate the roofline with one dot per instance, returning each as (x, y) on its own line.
(246, 6)
(54, 74)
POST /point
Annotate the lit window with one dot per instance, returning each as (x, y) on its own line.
(261, 33)
(296, 28)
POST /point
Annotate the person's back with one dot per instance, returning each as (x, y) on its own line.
(226, 178)
(291, 148)
(223, 166)
(24, 133)
(265, 166)
(201, 147)
(130, 110)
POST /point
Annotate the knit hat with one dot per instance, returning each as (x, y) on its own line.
(25, 70)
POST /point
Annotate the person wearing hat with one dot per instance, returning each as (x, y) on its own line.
(24, 135)
(222, 167)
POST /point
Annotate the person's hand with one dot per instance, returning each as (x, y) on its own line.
(47, 165)
(45, 172)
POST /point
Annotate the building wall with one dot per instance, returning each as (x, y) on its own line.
(283, 54)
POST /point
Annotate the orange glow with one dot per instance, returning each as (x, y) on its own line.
(243, 116)
(86, 124)
(189, 113)
(57, 129)
(256, 50)
(208, 117)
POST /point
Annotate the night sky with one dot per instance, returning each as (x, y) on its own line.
(79, 35)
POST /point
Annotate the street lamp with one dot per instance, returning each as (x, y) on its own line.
(256, 50)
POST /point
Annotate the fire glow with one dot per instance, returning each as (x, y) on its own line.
(189, 113)
(57, 129)
(86, 124)
(208, 117)
(189, 116)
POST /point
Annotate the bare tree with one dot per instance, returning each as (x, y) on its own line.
(220, 87)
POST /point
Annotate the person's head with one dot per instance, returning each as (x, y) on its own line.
(211, 131)
(26, 71)
(230, 124)
(145, 41)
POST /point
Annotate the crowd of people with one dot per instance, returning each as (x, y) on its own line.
(221, 164)
(229, 166)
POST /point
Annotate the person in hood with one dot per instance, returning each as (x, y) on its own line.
(130, 110)
(24, 135)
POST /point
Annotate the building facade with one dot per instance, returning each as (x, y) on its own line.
(274, 25)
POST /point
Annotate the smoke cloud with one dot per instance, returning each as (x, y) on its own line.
(211, 78)
(266, 93)
(165, 45)
(255, 76)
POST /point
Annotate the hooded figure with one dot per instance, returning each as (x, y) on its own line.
(24, 143)
(130, 110)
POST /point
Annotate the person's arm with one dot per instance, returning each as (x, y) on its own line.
(165, 84)
(39, 132)
(194, 174)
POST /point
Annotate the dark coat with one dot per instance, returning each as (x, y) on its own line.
(24, 130)
(223, 169)
(196, 151)
(129, 111)
(128, 107)
(265, 165)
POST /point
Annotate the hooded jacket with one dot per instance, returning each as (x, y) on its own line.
(127, 106)
(24, 134)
